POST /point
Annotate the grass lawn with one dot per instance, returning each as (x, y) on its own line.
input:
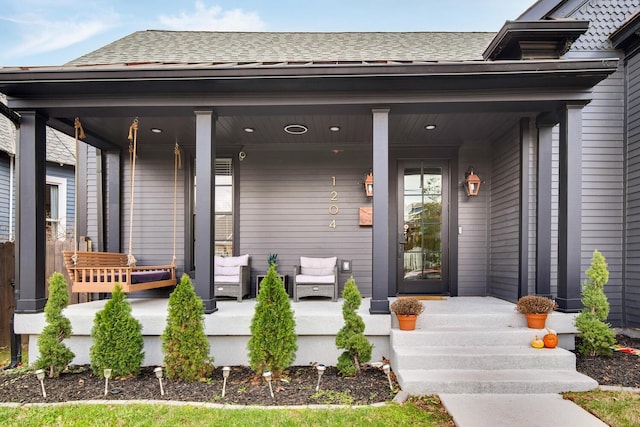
(616, 408)
(425, 412)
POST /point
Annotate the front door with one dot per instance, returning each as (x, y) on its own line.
(423, 227)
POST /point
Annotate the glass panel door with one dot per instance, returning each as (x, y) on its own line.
(423, 225)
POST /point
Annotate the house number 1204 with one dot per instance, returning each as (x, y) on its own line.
(333, 209)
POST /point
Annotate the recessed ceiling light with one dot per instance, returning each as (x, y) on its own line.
(156, 130)
(249, 130)
(334, 128)
(296, 129)
(430, 127)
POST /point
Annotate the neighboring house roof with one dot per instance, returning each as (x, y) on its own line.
(264, 47)
(60, 147)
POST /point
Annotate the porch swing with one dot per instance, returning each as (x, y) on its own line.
(99, 271)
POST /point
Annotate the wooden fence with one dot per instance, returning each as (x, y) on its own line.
(54, 262)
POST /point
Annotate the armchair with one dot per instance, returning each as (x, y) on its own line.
(316, 277)
(231, 276)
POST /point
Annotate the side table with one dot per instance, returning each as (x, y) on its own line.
(283, 277)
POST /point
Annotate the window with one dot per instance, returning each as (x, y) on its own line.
(55, 206)
(224, 220)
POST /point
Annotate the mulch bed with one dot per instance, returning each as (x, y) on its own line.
(296, 387)
(244, 387)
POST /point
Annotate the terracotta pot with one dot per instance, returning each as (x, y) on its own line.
(407, 322)
(536, 321)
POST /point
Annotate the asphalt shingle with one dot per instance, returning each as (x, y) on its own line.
(264, 47)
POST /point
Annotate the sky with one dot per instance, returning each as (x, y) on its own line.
(52, 32)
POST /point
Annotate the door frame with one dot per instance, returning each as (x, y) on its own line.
(455, 183)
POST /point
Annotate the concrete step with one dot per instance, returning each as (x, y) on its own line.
(483, 357)
(465, 336)
(434, 381)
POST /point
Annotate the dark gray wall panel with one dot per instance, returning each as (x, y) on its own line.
(632, 280)
(504, 219)
(284, 208)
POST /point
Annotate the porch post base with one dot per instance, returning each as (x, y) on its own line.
(379, 306)
(209, 306)
(30, 305)
(569, 305)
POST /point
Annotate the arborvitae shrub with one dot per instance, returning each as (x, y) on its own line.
(54, 355)
(272, 345)
(596, 336)
(184, 342)
(351, 337)
(117, 338)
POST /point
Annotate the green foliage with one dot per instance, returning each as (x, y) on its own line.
(596, 335)
(351, 337)
(54, 355)
(273, 341)
(117, 338)
(184, 342)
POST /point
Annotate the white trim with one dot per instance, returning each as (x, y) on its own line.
(62, 201)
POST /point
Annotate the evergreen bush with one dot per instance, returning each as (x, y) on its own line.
(54, 355)
(351, 337)
(596, 335)
(184, 342)
(117, 338)
(273, 341)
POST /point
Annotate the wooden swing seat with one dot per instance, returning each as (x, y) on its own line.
(100, 271)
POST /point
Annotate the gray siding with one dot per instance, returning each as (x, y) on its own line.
(473, 221)
(504, 217)
(4, 197)
(284, 208)
(603, 184)
(632, 294)
(152, 237)
(92, 198)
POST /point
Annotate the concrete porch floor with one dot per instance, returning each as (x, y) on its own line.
(317, 323)
(228, 329)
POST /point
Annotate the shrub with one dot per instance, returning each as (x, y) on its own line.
(117, 338)
(596, 335)
(272, 345)
(351, 337)
(184, 342)
(54, 355)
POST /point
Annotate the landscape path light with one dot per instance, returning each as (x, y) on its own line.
(267, 376)
(225, 375)
(320, 369)
(158, 372)
(387, 370)
(107, 374)
(40, 377)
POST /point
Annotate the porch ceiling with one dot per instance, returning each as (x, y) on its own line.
(452, 128)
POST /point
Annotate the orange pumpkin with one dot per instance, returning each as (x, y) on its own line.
(550, 340)
(537, 342)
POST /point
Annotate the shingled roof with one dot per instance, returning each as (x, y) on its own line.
(60, 147)
(182, 47)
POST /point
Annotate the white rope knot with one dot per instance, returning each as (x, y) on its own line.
(131, 260)
(74, 258)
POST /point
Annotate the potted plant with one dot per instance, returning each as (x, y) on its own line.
(536, 308)
(407, 310)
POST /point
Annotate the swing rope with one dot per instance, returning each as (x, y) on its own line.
(177, 165)
(79, 131)
(133, 145)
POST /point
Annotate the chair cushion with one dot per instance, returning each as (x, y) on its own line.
(226, 279)
(231, 261)
(317, 266)
(302, 279)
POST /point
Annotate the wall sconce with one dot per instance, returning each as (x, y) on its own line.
(472, 183)
(368, 185)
